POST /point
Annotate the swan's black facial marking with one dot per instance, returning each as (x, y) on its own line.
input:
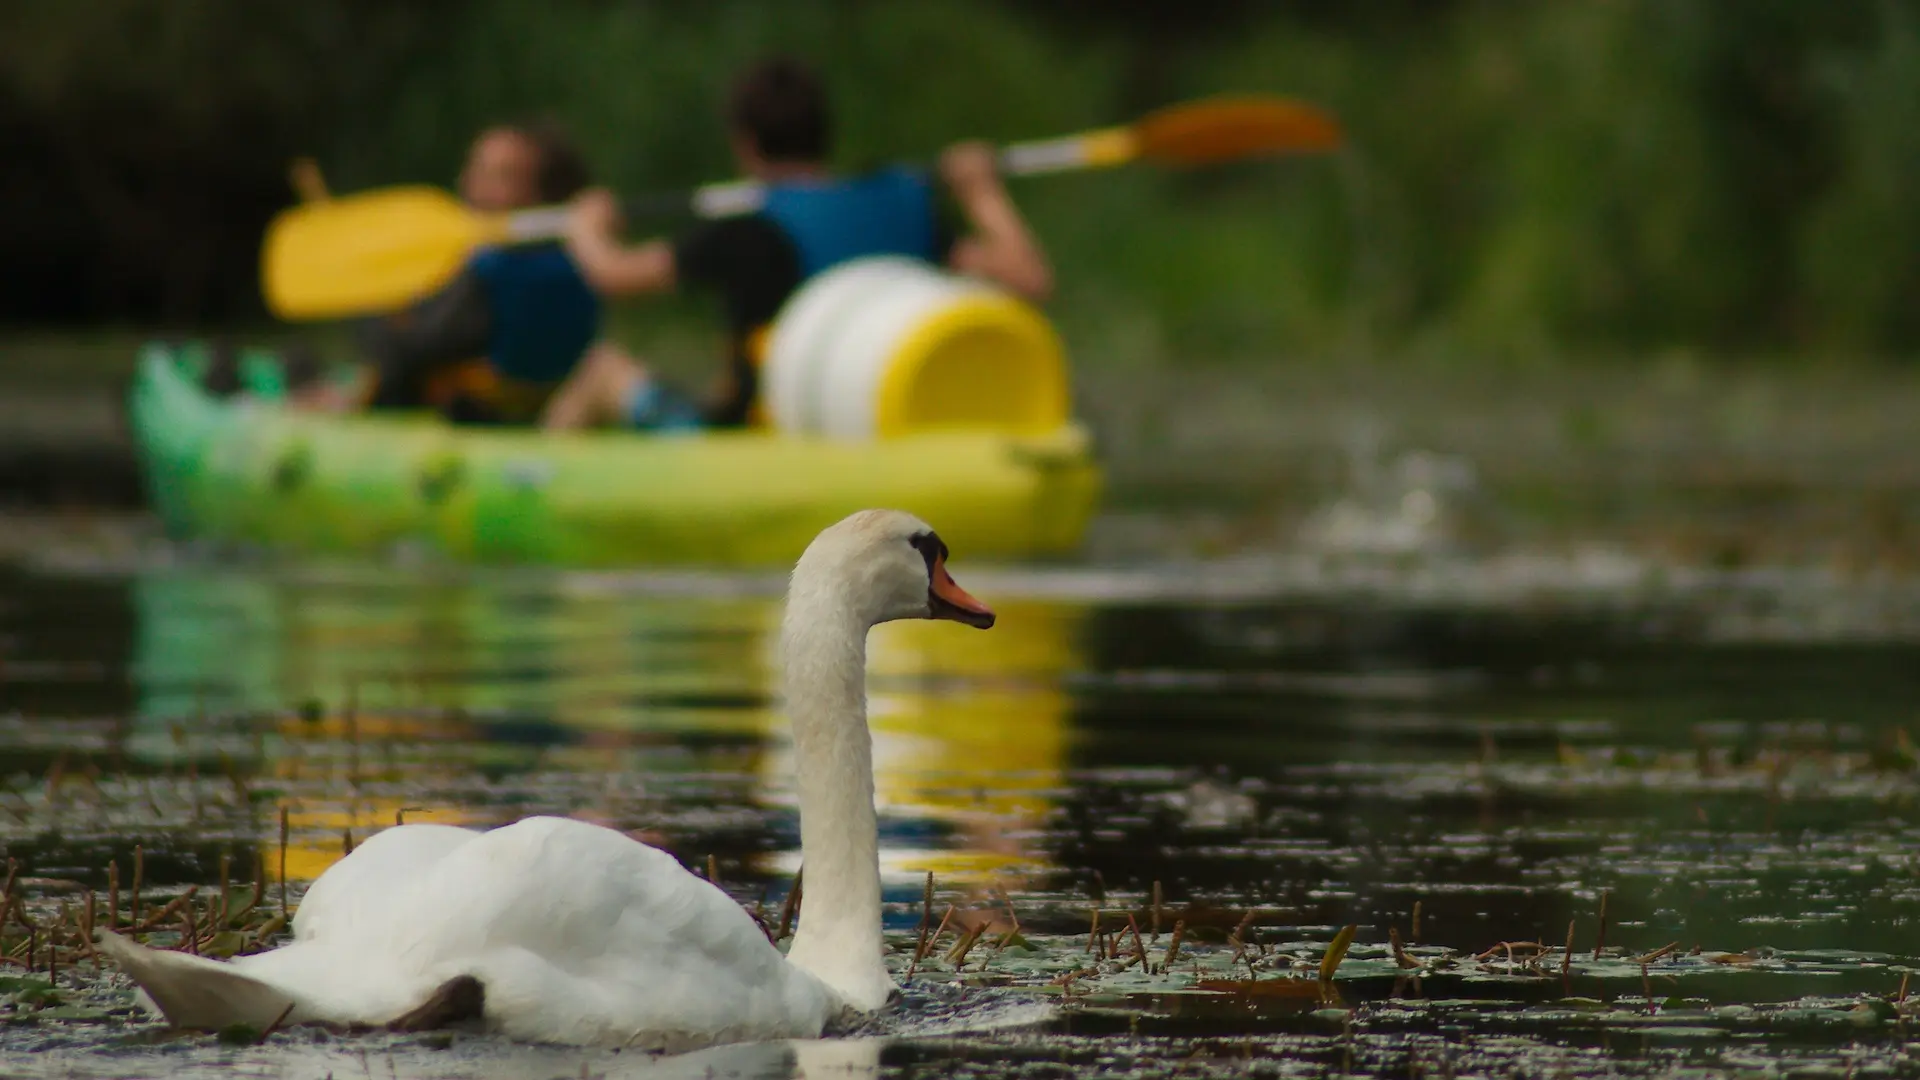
(945, 599)
(931, 548)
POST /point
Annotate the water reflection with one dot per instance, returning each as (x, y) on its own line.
(969, 727)
(1497, 756)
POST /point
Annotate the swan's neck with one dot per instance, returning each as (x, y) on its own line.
(839, 936)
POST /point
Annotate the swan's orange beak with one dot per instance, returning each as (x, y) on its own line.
(947, 600)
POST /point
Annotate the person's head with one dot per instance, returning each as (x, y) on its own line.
(777, 116)
(514, 166)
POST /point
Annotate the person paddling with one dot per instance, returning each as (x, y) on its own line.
(494, 344)
(781, 129)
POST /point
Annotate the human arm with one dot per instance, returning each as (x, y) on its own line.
(999, 245)
(611, 268)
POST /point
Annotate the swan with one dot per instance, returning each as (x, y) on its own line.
(561, 931)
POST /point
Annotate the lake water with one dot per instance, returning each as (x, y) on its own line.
(1281, 744)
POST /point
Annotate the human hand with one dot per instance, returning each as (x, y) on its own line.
(594, 212)
(970, 166)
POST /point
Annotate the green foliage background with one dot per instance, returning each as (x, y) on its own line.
(1618, 176)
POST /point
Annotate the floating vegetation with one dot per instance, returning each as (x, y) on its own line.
(1237, 838)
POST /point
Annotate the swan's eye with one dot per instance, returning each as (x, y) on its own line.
(931, 548)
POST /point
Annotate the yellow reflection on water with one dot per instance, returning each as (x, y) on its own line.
(318, 834)
(970, 727)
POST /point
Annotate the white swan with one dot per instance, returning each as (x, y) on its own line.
(555, 930)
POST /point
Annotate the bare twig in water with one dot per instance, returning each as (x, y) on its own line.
(113, 894)
(1239, 940)
(760, 914)
(1508, 947)
(1400, 955)
(169, 911)
(1065, 981)
(790, 907)
(1658, 953)
(346, 840)
(933, 941)
(1139, 947)
(275, 1026)
(226, 871)
(1173, 945)
(926, 924)
(1156, 909)
(926, 942)
(1093, 932)
(713, 870)
(1566, 959)
(1416, 922)
(1601, 942)
(958, 955)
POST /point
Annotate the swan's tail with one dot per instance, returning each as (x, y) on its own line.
(195, 992)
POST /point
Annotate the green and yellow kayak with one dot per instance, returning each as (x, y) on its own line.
(248, 469)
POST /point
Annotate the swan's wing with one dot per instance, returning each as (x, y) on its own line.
(577, 933)
(579, 929)
(360, 891)
(573, 892)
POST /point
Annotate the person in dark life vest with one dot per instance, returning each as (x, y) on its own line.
(781, 132)
(495, 343)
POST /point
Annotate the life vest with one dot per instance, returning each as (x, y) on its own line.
(889, 212)
(544, 316)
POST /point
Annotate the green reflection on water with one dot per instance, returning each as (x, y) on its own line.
(970, 728)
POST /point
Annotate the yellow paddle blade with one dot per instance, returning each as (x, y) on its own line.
(367, 253)
(1228, 128)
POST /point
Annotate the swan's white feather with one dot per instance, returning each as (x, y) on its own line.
(578, 933)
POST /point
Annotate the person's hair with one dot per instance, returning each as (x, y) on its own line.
(780, 104)
(562, 172)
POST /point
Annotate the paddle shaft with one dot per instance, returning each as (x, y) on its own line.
(331, 257)
(727, 198)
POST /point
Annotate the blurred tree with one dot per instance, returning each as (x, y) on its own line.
(1724, 173)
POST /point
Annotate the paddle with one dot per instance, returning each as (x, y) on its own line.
(377, 250)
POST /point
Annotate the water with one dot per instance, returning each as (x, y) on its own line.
(1321, 740)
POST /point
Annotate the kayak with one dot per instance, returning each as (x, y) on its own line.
(247, 468)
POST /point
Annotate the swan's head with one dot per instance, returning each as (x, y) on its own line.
(887, 565)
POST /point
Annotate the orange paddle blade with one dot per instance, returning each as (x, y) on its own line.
(1229, 128)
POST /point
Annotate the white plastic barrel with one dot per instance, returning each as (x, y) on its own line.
(883, 346)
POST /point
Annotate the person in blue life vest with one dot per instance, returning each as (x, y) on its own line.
(781, 133)
(495, 343)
